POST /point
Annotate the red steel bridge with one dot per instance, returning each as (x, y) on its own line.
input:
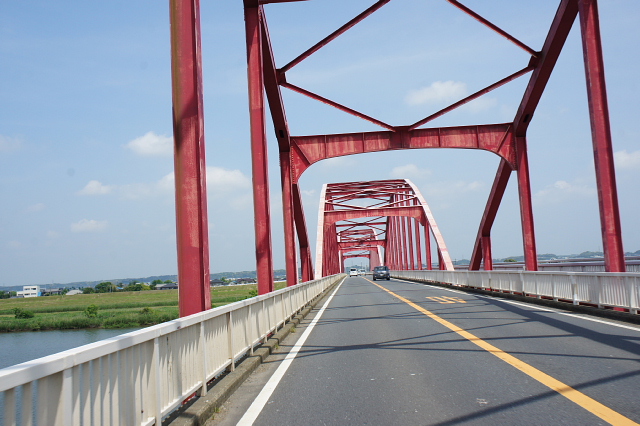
(398, 220)
(358, 219)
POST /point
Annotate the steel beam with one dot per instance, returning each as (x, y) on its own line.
(558, 33)
(259, 163)
(526, 207)
(490, 211)
(192, 233)
(601, 135)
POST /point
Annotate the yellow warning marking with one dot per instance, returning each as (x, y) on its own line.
(605, 413)
(447, 299)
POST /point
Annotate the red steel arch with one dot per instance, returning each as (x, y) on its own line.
(368, 216)
(297, 153)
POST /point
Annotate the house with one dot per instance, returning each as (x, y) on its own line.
(168, 286)
(217, 282)
(245, 281)
(51, 292)
(74, 292)
(29, 291)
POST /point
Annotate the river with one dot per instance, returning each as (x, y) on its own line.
(16, 348)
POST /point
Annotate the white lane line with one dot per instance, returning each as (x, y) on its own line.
(261, 400)
(533, 306)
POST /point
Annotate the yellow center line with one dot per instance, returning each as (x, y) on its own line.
(589, 404)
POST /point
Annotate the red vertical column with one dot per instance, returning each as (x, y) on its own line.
(486, 253)
(418, 245)
(427, 246)
(412, 265)
(526, 209)
(192, 233)
(403, 243)
(288, 218)
(601, 135)
(261, 207)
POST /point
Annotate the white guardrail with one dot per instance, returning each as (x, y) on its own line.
(604, 289)
(140, 377)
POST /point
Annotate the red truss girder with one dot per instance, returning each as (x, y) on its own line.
(357, 219)
(508, 140)
(496, 138)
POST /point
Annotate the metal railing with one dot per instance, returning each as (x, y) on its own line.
(140, 377)
(604, 289)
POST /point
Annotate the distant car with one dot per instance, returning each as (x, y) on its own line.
(361, 272)
(381, 272)
(353, 272)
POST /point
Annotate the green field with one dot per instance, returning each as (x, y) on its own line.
(115, 310)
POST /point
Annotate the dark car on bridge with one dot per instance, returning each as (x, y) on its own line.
(381, 272)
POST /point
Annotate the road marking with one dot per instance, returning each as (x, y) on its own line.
(261, 400)
(527, 305)
(588, 403)
(446, 299)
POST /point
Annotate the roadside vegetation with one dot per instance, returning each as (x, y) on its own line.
(121, 309)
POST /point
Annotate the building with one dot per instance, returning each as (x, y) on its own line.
(29, 291)
(168, 286)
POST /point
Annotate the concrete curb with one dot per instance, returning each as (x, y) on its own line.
(202, 409)
(589, 310)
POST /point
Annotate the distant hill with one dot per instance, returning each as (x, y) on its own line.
(282, 272)
(125, 281)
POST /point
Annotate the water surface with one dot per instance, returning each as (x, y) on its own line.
(24, 346)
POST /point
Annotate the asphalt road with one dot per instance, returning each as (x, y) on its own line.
(400, 353)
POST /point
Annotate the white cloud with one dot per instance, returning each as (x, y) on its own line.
(86, 225)
(244, 202)
(438, 92)
(627, 160)
(94, 187)
(152, 145)
(15, 245)
(167, 183)
(451, 189)
(480, 104)
(409, 171)
(221, 181)
(338, 162)
(8, 144)
(36, 207)
(561, 190)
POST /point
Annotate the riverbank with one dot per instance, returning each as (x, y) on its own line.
(106, 310)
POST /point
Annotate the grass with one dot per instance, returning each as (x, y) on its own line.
(115, 310)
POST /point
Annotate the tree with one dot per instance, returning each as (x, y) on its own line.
(91, 311)
(136, 287)
(22, 314)
(88, 290)
(106, 287)
(156, 282)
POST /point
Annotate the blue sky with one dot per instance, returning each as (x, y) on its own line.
(85, 129)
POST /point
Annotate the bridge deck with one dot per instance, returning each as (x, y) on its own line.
(373, 358)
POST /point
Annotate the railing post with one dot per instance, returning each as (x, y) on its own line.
(157, 382)
(232, 366)
(203, 357)
(574, 287)
(10, 407)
